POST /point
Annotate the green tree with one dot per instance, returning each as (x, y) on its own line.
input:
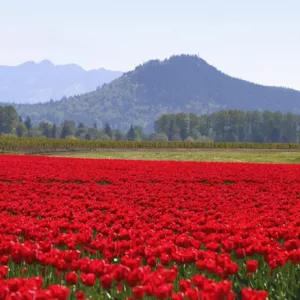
(81, 131)
(221, 127)
(46, 129)
(174, 132)
(256, 127)
(182, 122)
(140, 134)
(289, 128)
(193, 122)
(162, 124)
(54, 132)
(275, 135)
(131, 134)
(68, 129)
(21, 130)
(119, 135)
(108, 130)
(8, 119)
(28, 123)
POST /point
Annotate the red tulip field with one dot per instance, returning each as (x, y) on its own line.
(117, 229)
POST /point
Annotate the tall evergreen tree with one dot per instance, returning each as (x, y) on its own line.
(108, 130)
(131, 135)
(54, 133)
(46, 129)
(118, 135)
(68, 128)
(28, 123)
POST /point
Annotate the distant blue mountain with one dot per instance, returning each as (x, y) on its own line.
(179, 84)
(33, 82)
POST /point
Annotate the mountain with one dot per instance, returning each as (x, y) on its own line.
(39, 82)
(178, 84)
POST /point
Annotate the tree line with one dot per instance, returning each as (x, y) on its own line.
(231, 126)
(223, 126)
(11, 124)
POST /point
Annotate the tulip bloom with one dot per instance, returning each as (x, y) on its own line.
(252, 266)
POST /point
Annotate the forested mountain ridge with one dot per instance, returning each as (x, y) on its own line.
(178, 84)
(33, 82)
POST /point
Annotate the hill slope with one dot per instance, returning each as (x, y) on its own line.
(179, 84)
(39, 82)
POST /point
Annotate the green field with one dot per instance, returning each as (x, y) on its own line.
(221, 156)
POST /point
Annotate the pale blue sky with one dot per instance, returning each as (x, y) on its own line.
(257, 40)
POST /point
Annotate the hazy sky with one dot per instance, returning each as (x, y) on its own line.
(257, 40)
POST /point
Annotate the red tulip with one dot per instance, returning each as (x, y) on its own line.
(71, 278)
(252, 266)
(88, 279)
(3, 272)
(106, 281)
